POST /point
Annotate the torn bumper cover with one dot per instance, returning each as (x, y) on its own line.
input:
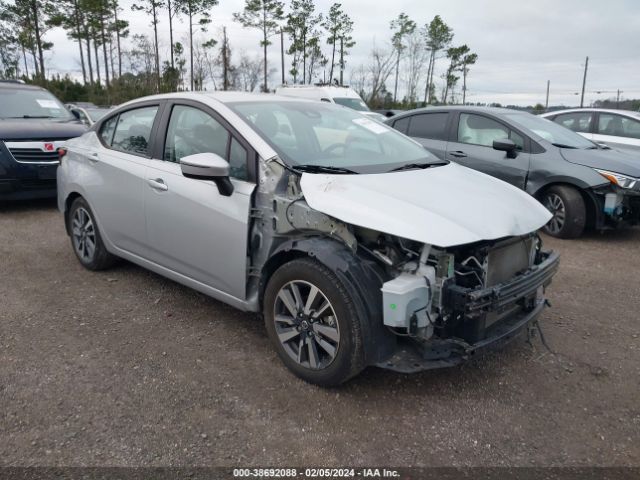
(486, 319)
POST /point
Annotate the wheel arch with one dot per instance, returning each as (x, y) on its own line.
(362, 278)
(67, 206)
(590, 202)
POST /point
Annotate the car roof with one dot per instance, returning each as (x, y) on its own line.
(457, 108)
(13, 85)
(628, 113)
(333, 90)
(223, 97)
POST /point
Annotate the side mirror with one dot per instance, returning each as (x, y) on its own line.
(506, 145)
(208, 166)
(76, 113)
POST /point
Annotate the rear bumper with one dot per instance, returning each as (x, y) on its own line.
(518, 304)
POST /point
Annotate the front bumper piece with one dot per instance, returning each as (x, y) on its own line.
(475, 306)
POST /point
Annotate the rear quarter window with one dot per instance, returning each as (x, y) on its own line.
(402, 125)
(107, 129)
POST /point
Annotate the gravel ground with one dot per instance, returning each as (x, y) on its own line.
(125, 368)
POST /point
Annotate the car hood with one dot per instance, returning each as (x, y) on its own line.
(11, 129)
(443, 206)
(612, 160)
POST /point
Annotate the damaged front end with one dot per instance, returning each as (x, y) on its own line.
(427, 306)
(616, 206)
(447, 305)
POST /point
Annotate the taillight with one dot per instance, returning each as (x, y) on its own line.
(61, 153)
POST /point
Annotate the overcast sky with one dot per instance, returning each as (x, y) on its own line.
(520, 44)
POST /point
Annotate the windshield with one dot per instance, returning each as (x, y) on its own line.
(550, 131)
(322, 134)
(27, 103)
(353, 103)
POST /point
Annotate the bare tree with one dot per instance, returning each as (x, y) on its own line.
(381, 64)
(358, 81)
(249, 71)
(416, 57)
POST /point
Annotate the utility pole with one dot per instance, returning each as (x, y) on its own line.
(282, 53)
(584, 81)
(341, 58)
(546, 104)
(225, 60)
(618, 98)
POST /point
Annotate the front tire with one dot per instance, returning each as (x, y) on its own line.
(85, 237)
(313, 323)
(568, 209)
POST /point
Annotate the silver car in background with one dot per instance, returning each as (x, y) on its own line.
(616, 128)
(356, 245)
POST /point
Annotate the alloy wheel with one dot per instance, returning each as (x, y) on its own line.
(84, 234)
(306, 325)
(556, 206)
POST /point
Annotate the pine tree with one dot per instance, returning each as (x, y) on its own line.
(339, 27)
(265, 15)
(301, 28)
(194, 9)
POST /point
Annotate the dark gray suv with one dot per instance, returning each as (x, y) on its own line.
(581, 183)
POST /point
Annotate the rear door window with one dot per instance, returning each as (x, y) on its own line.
(576, 121)
(618, 126)
(133, 131)
(429, 125)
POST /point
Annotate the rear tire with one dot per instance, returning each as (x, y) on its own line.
(86, 241)
(568, 209)
(319, 340)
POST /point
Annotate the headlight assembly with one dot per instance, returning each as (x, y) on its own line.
(618, 179)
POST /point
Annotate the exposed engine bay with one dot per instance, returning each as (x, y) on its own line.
(458, 296)
(417, 301)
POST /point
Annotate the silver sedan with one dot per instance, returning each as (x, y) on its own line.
(356, 245)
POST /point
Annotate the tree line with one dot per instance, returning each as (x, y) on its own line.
(118, 64)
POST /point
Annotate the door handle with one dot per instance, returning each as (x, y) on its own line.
(93, 158)
(458, 154)
(158, 184)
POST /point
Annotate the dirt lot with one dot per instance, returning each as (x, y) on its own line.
(126, 368)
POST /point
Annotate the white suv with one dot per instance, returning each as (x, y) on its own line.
(345, 96)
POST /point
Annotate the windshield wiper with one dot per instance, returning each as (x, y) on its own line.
(562, 145)
(413, 166)
(322, 169)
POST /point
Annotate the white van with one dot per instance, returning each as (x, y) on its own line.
(345, 96)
